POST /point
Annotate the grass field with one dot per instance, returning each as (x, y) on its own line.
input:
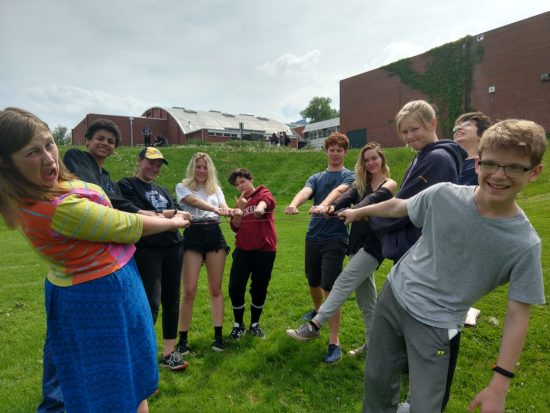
(276, 374)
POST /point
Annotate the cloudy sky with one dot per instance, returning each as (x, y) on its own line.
(63, 59)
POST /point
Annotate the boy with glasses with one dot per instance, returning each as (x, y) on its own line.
(492, 244)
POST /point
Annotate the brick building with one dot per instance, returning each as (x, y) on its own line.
(179, 125)
(510, 79)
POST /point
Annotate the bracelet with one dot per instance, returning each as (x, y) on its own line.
(504, 372)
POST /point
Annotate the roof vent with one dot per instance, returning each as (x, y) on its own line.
(229, 115)
(189, 110)
(262, 118)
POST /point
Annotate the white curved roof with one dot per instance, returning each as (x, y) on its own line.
(193, 120)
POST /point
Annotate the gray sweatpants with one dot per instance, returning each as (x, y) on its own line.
(398, 338)
(357, 276)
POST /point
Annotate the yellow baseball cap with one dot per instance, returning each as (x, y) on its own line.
(152, 153)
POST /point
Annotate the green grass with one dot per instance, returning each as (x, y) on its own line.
(276, 374)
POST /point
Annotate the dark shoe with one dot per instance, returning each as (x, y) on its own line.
(174, 361)
(238, 332)
(309, 315)
(334, 354)
(218, 345)
(182, 348)
(255, 330)
(305, 332)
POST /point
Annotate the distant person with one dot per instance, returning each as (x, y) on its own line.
(286, 139)
(326, 238)
(147, 133)
(274, 139)
(160, 141)
(467, 132)
(422, 306)
(200, 194)
(158, 257)
(372, 185)
(255, 251)
(99, 328)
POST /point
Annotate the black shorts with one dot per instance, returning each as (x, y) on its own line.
(204, 237)
(324, 262)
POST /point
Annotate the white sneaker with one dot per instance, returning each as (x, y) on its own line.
(403, 407)
(359, 350)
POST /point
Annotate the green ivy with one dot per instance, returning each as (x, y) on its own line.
(447, 80)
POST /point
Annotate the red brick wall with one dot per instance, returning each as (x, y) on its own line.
(514, 58)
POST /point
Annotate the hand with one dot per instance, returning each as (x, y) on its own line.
(320, 209)
(241, 202)
(236, 212)
(489, 400)
(186, 215)
(291, 210)
(350, 215)
(259, 211)
(224, 212)
(179, 222)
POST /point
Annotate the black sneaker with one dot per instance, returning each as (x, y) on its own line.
(218, 344)
(255, 330)
(182, 348)
(174, 361)
(238, 332)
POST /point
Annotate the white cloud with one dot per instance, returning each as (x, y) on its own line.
(290, 64)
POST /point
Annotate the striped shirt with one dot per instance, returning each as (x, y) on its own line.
(80, 234)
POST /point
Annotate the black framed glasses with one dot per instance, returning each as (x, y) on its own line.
(511, 171)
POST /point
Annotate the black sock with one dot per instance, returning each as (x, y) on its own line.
(255, 314)
(217, 331)
(314, 326)
(239, 315)
(183, 335)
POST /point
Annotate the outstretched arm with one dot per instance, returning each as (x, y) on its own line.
(392, 208)
(301, 197)
(493, 397)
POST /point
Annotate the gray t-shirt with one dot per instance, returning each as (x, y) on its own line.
(462, 256)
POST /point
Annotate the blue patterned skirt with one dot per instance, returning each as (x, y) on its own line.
(103, 342)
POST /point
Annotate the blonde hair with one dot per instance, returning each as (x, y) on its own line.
(421, 110)
(212, 184)
(522, 136)
(363, 178)
(17, 128)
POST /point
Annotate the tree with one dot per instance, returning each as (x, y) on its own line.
(61, 135)
(319, 109)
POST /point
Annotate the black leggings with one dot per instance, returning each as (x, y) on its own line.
(160, 271)
(250, 264)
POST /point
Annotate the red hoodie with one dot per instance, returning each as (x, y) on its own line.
(257, 234)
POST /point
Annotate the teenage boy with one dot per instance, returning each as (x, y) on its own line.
(467, 132)
(102, 137)
(326, 238)
(429, 291)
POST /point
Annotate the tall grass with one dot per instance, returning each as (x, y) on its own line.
(274, 374)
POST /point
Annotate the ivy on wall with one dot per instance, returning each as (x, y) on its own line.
(447, 80)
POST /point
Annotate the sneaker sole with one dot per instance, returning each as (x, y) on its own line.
(218, 350)
(292, 333)
(178, 368)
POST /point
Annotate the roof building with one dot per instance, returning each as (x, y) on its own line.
(180, 125)
(316, 133)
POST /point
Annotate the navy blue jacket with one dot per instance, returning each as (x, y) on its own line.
(440, 161)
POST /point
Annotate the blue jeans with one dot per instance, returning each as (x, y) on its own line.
(52, 398)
